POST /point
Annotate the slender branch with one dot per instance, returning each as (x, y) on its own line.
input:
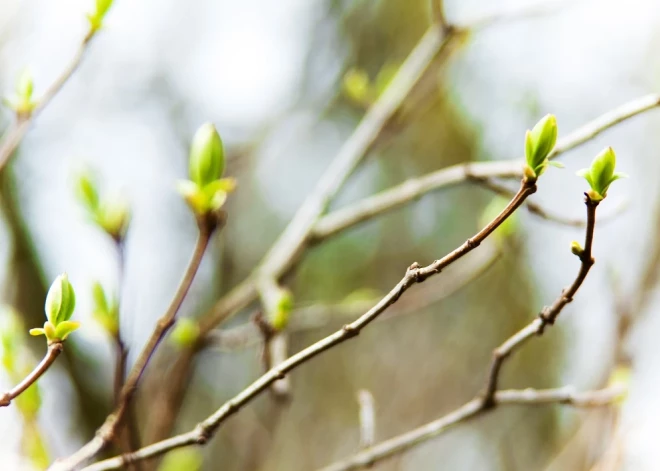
(13, 136)
(108, 430)
(471, 409)
(316, 316)
(549, 314)
(54, 349)
(414, 274)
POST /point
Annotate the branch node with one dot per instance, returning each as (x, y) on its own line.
(350, 331)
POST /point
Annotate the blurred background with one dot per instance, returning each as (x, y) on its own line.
(286, 83)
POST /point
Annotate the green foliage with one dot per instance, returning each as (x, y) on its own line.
(185, 332)
(60, 303)
(206, 191)
(111, 215)
(601, 174)
(188, 459)
(539, 142)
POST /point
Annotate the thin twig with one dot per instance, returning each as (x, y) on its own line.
(13, 136)
(532, 397)
(549, 314)
(54, 349)
(107, 431)
(316, 316)
(367, 418)
(414, 274)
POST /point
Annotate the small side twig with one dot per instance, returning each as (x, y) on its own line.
(54, 349)
(13, 136)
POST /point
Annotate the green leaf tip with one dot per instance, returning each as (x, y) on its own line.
(539, 143)
(96, 18)
(207, 156)
(60, 300)
(601, 174)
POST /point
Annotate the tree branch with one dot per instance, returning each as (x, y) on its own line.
(532, 397)
(13, 136)
(414, 274)
(54, 349)
(549, 314)
(108, 430)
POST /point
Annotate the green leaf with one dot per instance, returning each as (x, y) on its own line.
(37, 331)
(25, 87)
(63, 329)
(87, 192)
(539, 142)
(207, 157)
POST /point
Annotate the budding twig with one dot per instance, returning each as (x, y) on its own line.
(54, 349)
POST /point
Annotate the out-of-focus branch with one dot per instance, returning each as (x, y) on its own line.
(108, 430)
(532, 397)
(13, 136)
(54, 349)
(367, 418)
(414, 274)
(317, 316)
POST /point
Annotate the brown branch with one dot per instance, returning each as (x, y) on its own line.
(54, 349)
(549, 314)
(108, 430)
(532, 397)
(414, 274)
(14, 135)
(317, 316)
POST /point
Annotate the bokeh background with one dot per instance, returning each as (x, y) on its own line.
(271, 76)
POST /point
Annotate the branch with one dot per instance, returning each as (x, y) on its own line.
(320, 315)
(414, 188)
(108, 430)
(367, 418)
(54, 349)
(532, 397)
(549, 314)
(12, 138)
(414, 274)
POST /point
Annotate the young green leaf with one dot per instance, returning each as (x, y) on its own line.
(601, 174)
(539, 143)
(60, 300)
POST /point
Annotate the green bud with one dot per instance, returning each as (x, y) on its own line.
(96, 18)
(185, 332)
(189, 459)
(278, 303)
(539, 142)
(357, 87)
(87, 191)
(576, 248)
(207, 157)
(113, 218)
(60, 301)
(25, 87)
(105, 312)
(601, 174)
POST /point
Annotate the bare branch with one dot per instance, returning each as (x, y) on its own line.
(532, 397)
(13, 136)
(54, 349)
(455, 278)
